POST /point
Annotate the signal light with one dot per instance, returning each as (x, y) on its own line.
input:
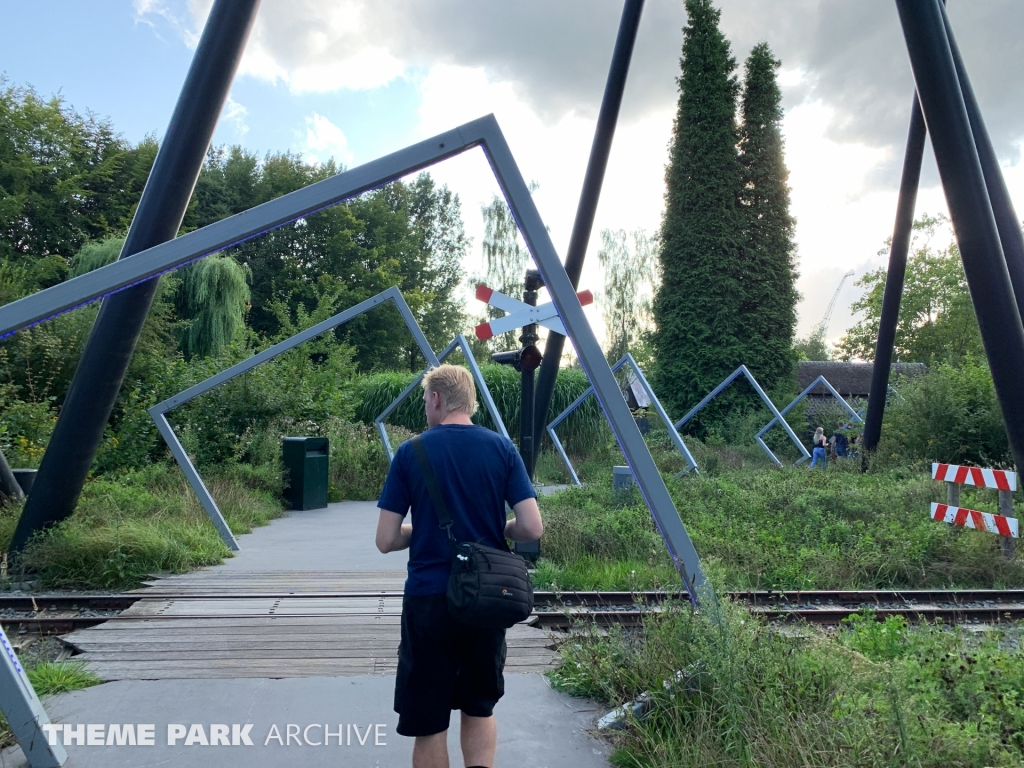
(529, 358)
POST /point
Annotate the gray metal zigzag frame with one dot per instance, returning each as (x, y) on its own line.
(486, 134)
(744, 371)
(820, 380)
(159, 411)
(459, 342)
(627, 359)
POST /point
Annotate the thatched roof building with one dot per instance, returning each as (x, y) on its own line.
(852, 380)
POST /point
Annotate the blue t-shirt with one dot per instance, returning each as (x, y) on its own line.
(478, 471)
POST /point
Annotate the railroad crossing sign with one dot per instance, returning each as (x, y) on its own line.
(520, 314)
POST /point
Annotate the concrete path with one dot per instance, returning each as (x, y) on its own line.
(338, 538)
(538, 727)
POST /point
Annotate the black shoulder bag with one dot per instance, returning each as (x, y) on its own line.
(488, 587)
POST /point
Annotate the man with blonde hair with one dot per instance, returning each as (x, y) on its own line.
(444, 664)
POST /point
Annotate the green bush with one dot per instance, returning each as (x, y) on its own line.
(950, 415)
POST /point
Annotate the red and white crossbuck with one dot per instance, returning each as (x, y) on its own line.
(1001, 480)
(520, 313)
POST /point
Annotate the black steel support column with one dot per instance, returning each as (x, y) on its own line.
(111, 343)
(1010, 234)
(8, 483)
(963, 182)
(894, 278)
(589, 196)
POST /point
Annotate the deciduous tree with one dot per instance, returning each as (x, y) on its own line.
(629, 269)
(936, 321)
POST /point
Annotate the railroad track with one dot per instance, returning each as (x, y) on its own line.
(62, 613)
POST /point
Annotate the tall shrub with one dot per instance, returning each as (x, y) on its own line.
(950, 415)
(698, 303)
(768, 311)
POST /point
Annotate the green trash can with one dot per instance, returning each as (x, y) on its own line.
(305, 463)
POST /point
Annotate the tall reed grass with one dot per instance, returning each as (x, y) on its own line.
(578, 433)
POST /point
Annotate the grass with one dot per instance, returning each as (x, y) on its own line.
(49, 678)
(52, 677)
(757, 527)
(876, 694)
(141, 522)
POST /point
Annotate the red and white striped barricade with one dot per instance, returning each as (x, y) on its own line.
(979, 521)
(1001, 479)
(1004, 481)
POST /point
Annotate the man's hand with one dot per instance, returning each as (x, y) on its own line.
(527, 525)
(392, 535)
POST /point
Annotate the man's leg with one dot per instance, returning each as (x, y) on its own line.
(432, 751)
(479, 740)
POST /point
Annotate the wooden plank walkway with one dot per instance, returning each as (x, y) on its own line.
(275, 635)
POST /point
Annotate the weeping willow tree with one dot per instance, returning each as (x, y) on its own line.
(212, 300)
(505, 258)
(210, 296)
(629, 275)
(96, 254)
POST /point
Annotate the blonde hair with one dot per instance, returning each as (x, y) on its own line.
(455, 386)
(818, 434)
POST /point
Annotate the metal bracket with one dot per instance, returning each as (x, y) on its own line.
(820, 380)
(158, 411)
(744, 371)
(459, 342)
(625, 360)
(25, 715)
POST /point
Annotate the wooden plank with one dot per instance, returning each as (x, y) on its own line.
(255, 628)
(275, 669)
(275, 642)
(257, 654)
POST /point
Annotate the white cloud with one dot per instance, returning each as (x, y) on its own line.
(325, 140)
(540, 67)
(235, 114)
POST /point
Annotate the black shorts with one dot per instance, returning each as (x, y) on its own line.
(443, 665)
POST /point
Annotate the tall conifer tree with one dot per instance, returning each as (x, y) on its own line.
(697, 305)
(768, 312)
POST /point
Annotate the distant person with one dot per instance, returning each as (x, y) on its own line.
(444, 664)
(818, 454)
(840, 444)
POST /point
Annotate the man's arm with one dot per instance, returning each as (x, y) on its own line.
(527, 525)
(392, 535)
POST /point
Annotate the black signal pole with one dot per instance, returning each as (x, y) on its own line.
(101, 370)
(527, 429)
(895, 276)
(970, 207)
(589, 196)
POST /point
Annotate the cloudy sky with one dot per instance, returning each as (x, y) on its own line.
(356, 79)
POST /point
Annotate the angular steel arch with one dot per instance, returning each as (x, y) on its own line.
(459, 342)
(158, 412)
(627, 359)
(744, 371)
(797, 399)
(484, 133)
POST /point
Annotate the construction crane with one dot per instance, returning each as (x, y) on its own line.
(818, 334)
